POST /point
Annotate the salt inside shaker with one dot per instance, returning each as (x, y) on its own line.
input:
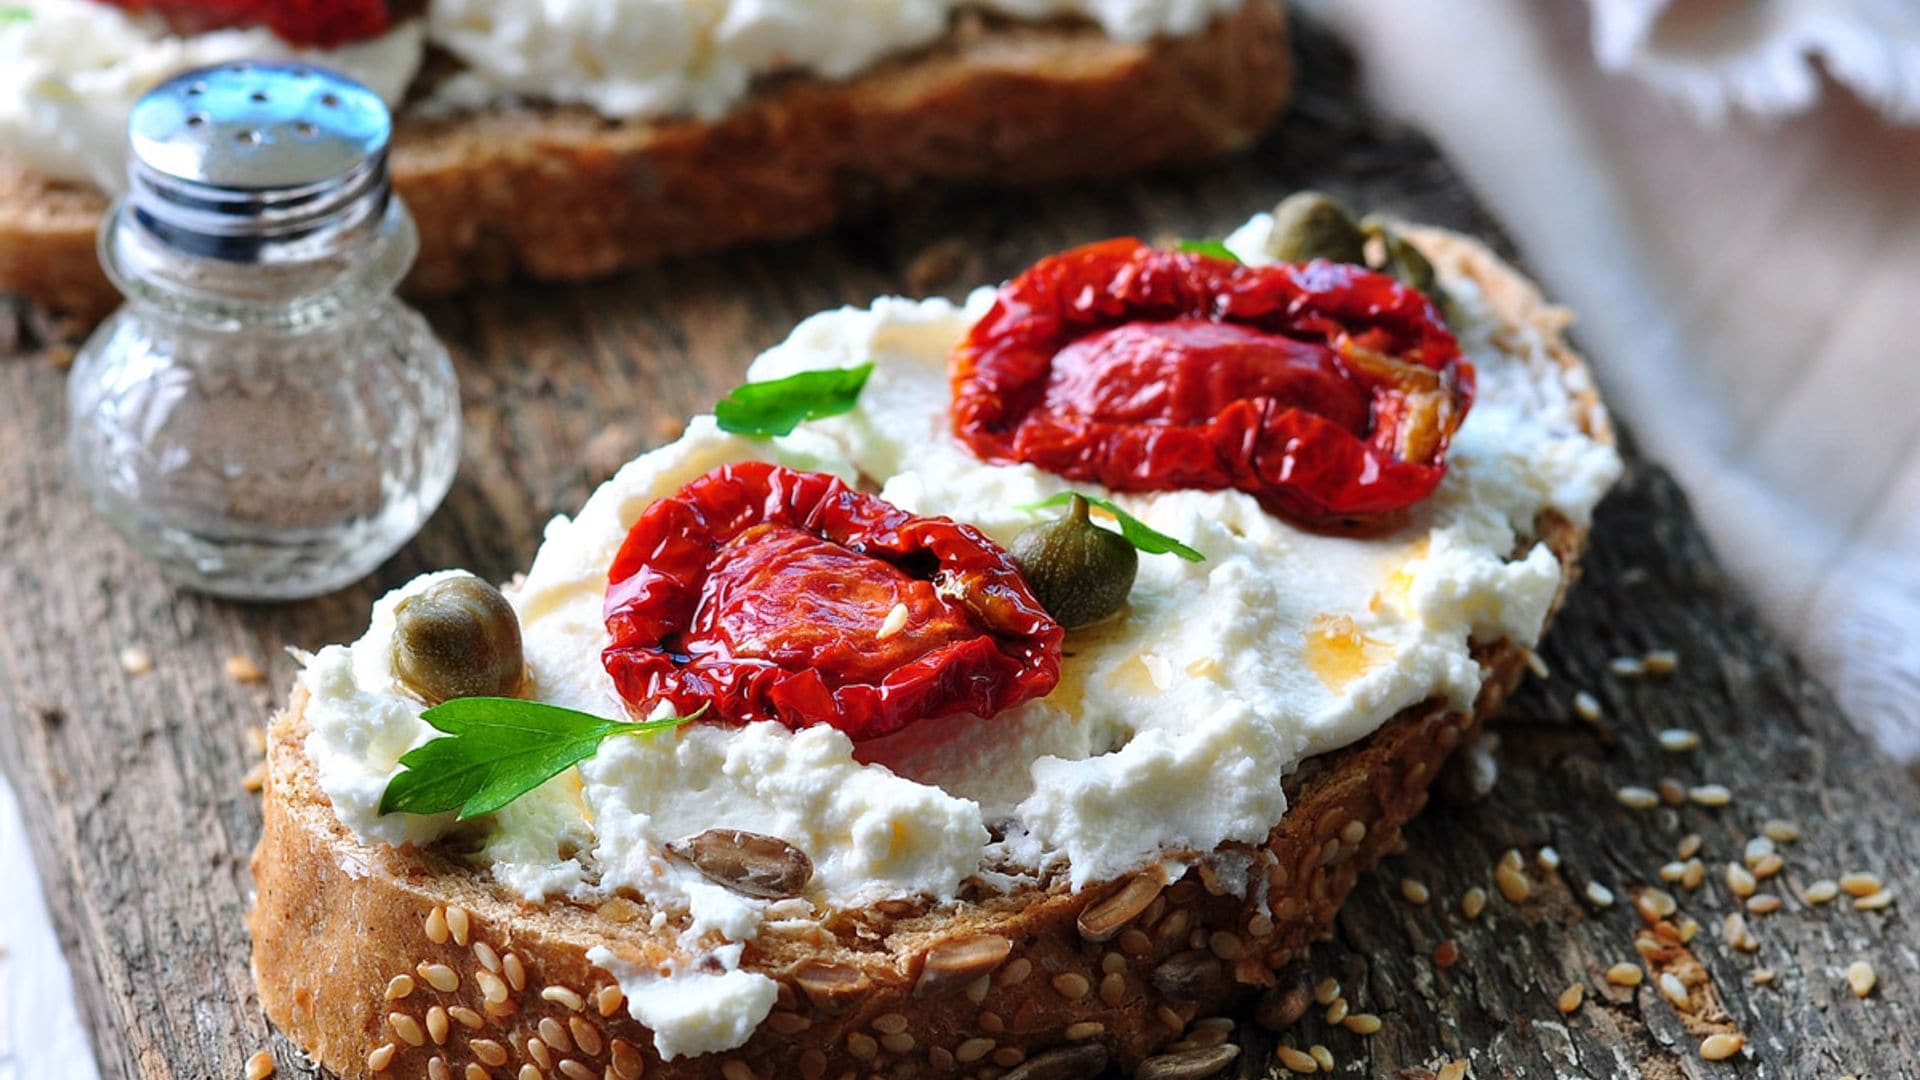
(263, 416)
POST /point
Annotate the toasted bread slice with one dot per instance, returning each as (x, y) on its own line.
(565, 194)
(1046, 982)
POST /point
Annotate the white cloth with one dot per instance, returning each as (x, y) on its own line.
(1746, 293)
(40, 1033)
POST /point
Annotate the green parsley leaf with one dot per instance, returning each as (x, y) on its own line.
(1211, 248)
(778, 406)
(10, 14)
(497, 750)
(1132, 528)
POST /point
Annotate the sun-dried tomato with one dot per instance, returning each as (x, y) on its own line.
(1327, 391)
(321, 23)
(766, 593)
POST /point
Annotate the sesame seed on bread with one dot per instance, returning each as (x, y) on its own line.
(564, 194)
(404, 962)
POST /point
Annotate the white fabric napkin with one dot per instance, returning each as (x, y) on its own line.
(40, 1033)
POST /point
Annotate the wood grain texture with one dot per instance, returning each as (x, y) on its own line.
(132, 784)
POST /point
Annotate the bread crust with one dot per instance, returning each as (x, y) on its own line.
(1050, 981)
(563, 194)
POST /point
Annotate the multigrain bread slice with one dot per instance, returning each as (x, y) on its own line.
(561, 193)
(399, 962)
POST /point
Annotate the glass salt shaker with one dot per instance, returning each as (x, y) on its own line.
(263, 416)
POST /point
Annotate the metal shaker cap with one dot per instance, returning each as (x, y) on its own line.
(259, 162)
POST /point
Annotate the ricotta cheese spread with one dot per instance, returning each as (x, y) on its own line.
(1163, 740)
(70, 70)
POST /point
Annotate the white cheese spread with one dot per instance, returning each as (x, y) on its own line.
(70, 70)
(1166, 735)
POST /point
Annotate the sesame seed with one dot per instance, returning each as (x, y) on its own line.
(971, 1050)
(1861, 978)
(1822, 891)
(627, 1062)
(1452, 1070)
(1740, 880)
(1085, 1029)
(609, 999)
(1113, 988)
(1414, 891)
(488, 1051)
(437, 926)
(475, 1072)
(466, 1017)
(895, 622)
(1779, 831)
(1322, 1057)
(1686, 928)
(1734, 929)
(1859, 884)
(1226, 945)
(1570, 998)
(1673, 989)
(1624, 974)
(1586, 707)
(1627, 667)
(1298, 1061)
(256, 739)
(1353, 832)
(1362, 1023)
(977, 989)
(440, 977)
(1536, 665)
(1473, 902)
(561, 995)
(1655, 904)
(1008, 1056)
(437, 1025)
(1548, 858)
(381, 1057)
(489, 959)
(1071, 985)
(255, 778)
(1512, 883)
(1673, 871)
(492, 989)
(1695, 873)
(1637, 798)
(260, 1066)
(1326, 990)
(399, 987)
(1599, 895)
(573, 1070)
(1763, 976)
(460, 926)
(529, 1072)
(898, 1043)
(1763, 904)
(1768, 865)
(242, 669)
(135, 661)
(541, 1054)
(1660, 662)
(515, 972)
(1337, 1011)
(407, 1028)
(1874, 902)
(1676, 740)
(1721, 1046)
(1710, 795)
(554, 1034)
(1672, 792)
(437, 1069)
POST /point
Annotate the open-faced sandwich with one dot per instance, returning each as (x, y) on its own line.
(569, 138)
(994, 689)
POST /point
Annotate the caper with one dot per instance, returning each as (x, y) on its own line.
(1409, 264)
(1080, 572)
(457, 638)
(1308, 225)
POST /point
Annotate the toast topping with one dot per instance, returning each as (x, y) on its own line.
(766, 867)
(457, 638)
(774, 594)
(321, 23)
(1328, 392)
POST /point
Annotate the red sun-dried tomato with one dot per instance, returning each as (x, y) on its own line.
(321, 23)
(1327, 391)
(771, 594)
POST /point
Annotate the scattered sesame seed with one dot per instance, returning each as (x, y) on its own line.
(1673, 871)
(1656, 904)
(1452, 1070)
(260, 1066)
(1721, 1046)
(1821, 891)
(1569, 1000)
(135, 661)
(1767, 866)
(1362, 1023)
(1322, 1057)
(1510, 860)
(1757, 848)
(1326, 990)
(1686, 928)
(242, 669)
(1414, 891)
(256, 739)
(1763, 976)
(1473, 902)
(1625, 974)
(1537, 665)
(1548, 858)
(1861, 978)
(1587, 707)
(1783, 832)
(1695, 873)
(1710, 795)
(1599, 895)
(1637, 798)
(1740, 880)
(895, 622)
(1874, 902)
(1337, 1011)
(1678, 740)
(1673, 989)
(1298, 1061)
(1660, 662)
(1688, 847)
(1859, 884)
(255, 778)
(1627, 667)
(1512, 884)
(1734, 930)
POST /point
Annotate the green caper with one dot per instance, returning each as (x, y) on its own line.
(1309, 225)
(457, 638)
(1407, 263)
(1080, 572)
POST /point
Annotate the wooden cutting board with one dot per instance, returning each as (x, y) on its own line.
(132, 784)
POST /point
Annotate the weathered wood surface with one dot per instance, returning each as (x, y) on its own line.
(132, 784)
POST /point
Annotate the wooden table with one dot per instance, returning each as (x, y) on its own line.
(132, 783)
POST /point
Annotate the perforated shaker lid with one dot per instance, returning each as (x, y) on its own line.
(258, 162)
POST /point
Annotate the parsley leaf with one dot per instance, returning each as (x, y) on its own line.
(496, 750)
(1132, 528)
(778, 406)
(1211, 248)
(11, 14)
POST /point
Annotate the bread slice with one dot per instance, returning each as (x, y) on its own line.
(562, 193)
(1046, 983)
